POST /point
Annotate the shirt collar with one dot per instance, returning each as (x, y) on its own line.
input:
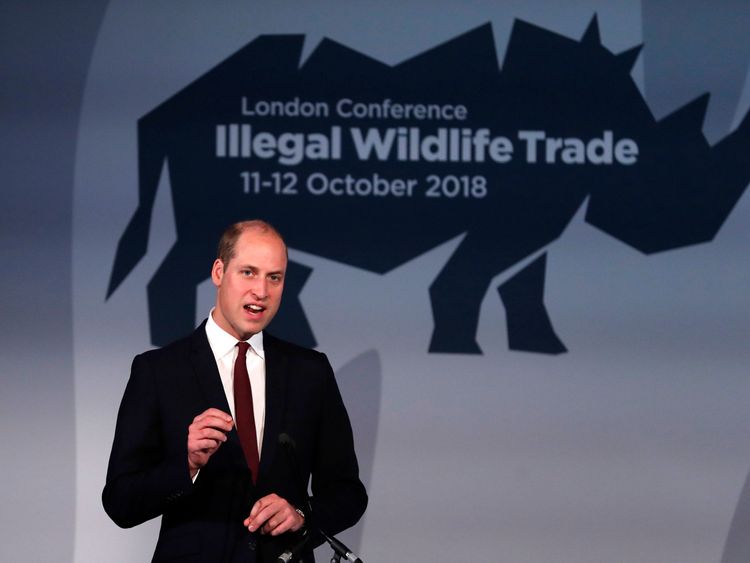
(223, 343)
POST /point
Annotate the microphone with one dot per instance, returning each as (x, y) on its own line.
(340, 548)
(290, 446)
(293, 553)
(286, 441)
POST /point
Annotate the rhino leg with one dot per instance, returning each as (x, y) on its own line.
(291, 323)
(171, 292)
(456, 296)
(529, 326)
(131, 248)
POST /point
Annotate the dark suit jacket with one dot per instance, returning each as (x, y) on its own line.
(148, 473)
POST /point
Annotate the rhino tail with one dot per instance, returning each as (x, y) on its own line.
(133, 243)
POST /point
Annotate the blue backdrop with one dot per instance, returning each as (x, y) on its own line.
(518, 229)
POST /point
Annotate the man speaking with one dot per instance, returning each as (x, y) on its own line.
(197, 436)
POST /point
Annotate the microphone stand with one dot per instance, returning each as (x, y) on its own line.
(339, 550)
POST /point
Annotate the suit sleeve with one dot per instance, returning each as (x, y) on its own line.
(145, 474)
(338, 496)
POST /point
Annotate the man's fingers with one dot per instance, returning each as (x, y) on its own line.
(256, 509)
(214, 412)
(275, 528)
(214, 417)
(205, 435)
(198, 439)
(273, 515)
(209, 433)
(261, 511)
(218, 422)
(204, 445)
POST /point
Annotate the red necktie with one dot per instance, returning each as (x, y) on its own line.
(243, 410)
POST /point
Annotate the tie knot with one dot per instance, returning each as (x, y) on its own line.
(243, 347)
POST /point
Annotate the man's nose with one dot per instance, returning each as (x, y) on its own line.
(260, 288)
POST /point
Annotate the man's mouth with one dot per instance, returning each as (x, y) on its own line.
(254, 308)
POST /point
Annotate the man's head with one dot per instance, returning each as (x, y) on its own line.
(249, 277)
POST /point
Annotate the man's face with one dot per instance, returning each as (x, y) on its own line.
(249, 287)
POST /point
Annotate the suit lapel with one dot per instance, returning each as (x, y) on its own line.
(276, 385)
(206, 371)
(209, 381)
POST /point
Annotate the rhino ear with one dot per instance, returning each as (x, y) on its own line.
(628, 58)
(591, 35)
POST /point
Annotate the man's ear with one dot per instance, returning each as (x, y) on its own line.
(217, 272)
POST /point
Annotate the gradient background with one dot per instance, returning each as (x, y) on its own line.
(632, 447)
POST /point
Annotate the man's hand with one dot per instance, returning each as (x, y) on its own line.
(273, 515)
(205, 435)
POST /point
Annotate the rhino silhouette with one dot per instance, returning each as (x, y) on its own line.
(678, 191)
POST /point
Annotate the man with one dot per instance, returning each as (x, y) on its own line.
(192, 446)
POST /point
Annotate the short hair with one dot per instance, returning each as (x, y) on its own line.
(225, 250)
